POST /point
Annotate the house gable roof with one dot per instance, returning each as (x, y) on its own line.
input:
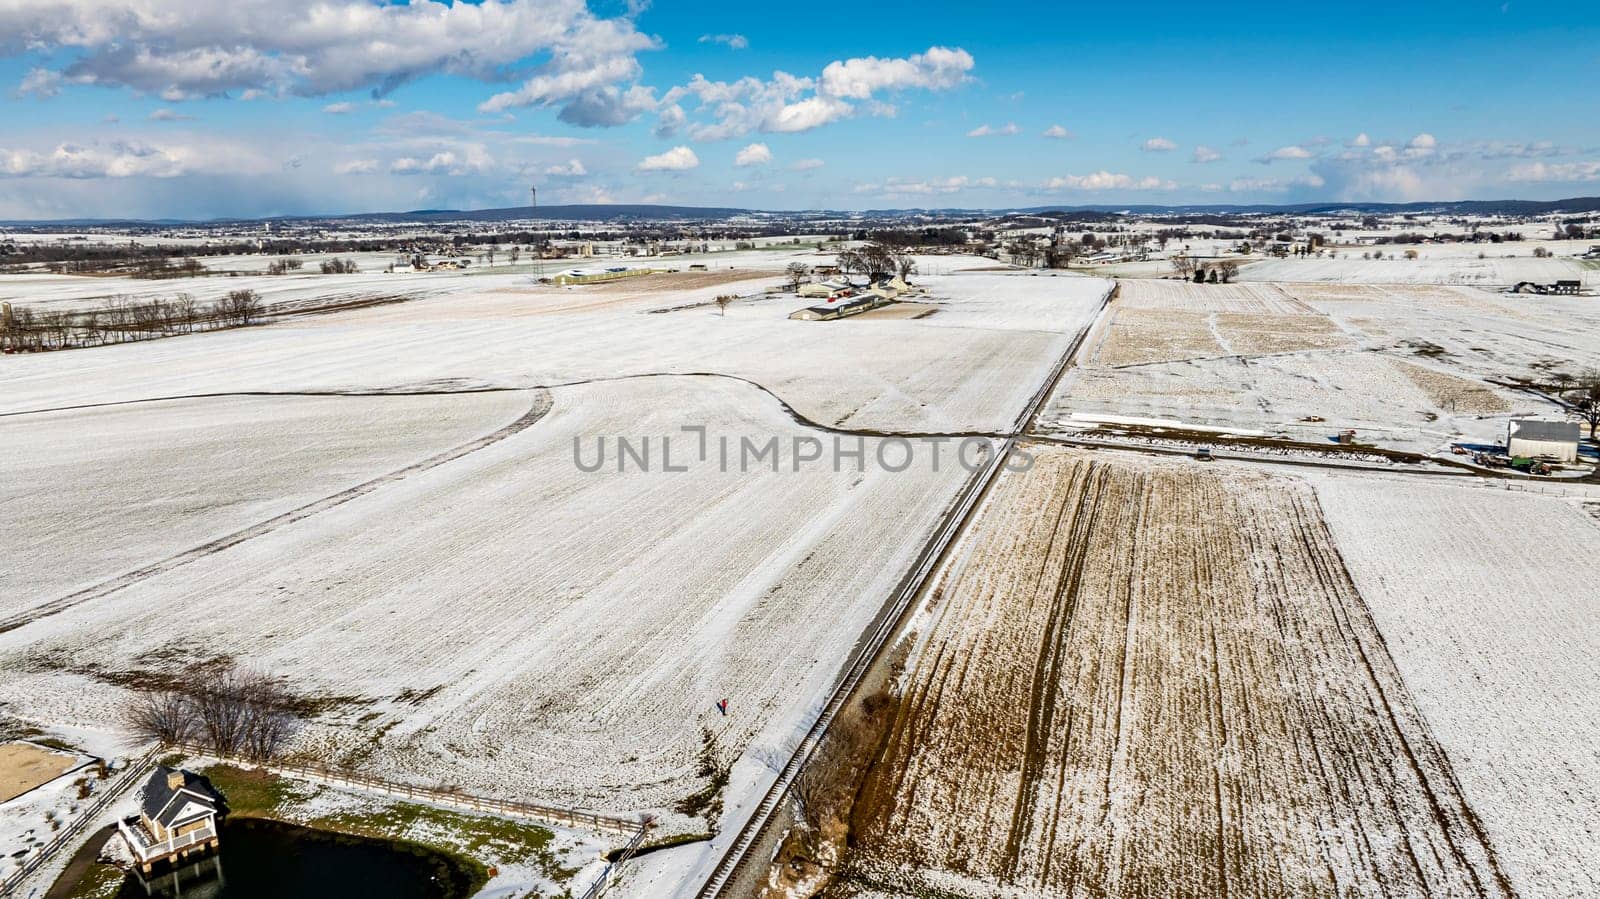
(1533, 429)
(165, 805)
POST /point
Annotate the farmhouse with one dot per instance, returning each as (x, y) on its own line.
(1563, 288)
(177, 816)
(1543, 439)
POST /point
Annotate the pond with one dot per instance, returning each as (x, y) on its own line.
(262, 859)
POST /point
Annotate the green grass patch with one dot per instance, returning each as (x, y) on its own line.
(99, 882)
(476, 841)
(256, 794)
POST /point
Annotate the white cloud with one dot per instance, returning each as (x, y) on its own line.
(339, 108)
(112, 160)
(813, 112)
(1422, 145)
(1274, 185)
(788, 103)
(1560, 172)
(1360, 140)
(1058, 133)
(168, 115)
(754, 154)
(939, 68)
(572, 168)
(1293, 151)
(469, 159)
(1103, 180)
(677, 159)
(41, 83)
(986, 131)
(1204, 154)
(806, 165)
(357, 167)
(922, 187)
(732, 41)
(1159, 145)
(183, 49)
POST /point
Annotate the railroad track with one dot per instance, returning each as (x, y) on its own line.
(887, 622)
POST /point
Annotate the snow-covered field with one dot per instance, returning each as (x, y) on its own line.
(501, 620)
(972, 365)
(129, 485)
(1406, 366)
(1487, 601)
(525, 626)
(1503, 265)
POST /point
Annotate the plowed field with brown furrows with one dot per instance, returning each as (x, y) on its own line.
(1145, 679)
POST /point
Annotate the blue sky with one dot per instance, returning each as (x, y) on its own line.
(192, 109)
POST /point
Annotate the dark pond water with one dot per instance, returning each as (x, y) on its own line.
(270, 860)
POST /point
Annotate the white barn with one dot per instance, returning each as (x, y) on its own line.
(1544, 439)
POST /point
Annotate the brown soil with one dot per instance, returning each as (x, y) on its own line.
(1152, 679)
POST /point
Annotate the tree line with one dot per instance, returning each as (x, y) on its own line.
(230, 711)
(121, 320)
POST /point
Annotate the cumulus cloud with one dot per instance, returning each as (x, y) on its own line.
(339, 108)
(1422, 145)
(1559, 172)
(732, 41)
(1158, 145)
(923, 187)
(677, 159)
(1274, 185)
(117, 159)
(1360, 140)
(1058, 133)
(939, 68)
(985, 131)
(1103, 180)
(806, 165)
(812, 112)
(754, 154)
(168, 115)
(709, 110)
(41, 83)
(1204, 154)
(1290, 152)
(357, 167)
(572, 168)
(467, 160)
(183, 49)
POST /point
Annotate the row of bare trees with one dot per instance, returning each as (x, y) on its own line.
(229, 710)
(1190, 269)
(876, 261)
(120, 320)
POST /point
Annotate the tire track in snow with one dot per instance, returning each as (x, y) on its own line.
(537, 410)
(799, 417)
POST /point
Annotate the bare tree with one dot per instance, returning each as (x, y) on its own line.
(723, 301)
(1226, 270)
(1183, 266)
(185, 310)
(799, 273)
(242, 306)
(163, 715)
(236, 711)
(1584, 400)
(905, 264)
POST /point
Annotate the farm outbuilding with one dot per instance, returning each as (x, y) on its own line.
(1543, 439)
